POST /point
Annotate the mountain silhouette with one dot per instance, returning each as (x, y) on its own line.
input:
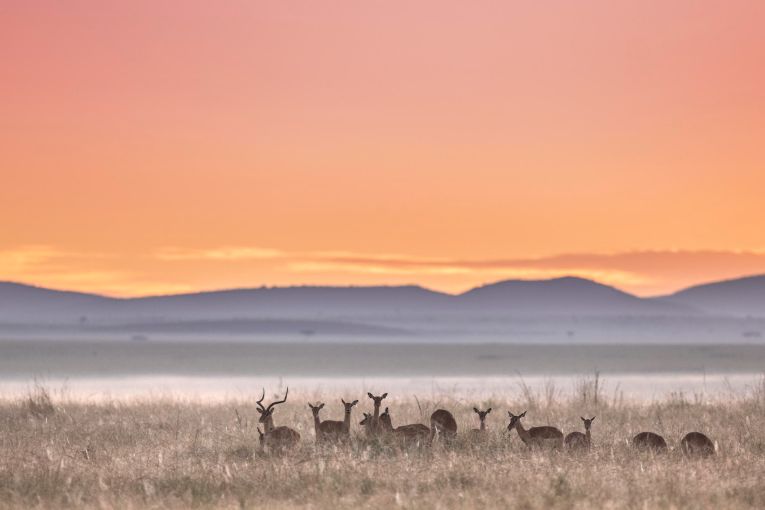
(740, 296)
(559, 296)
(568, 295)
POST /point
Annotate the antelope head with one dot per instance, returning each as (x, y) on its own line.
(348, 405)
(267, 412)
(514, 419)
(377, 400)
(482, 414)
(316, 408)
(587, 423)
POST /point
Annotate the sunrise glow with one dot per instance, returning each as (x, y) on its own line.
(150, 148)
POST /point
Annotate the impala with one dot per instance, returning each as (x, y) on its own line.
(649, 441)
(335, 430)
(276, 437)
(414, 432)
(315, 409)
(481, 418)
(544, 436)
(577, 440)
(696, 443)
(374, 426)
(442, 424)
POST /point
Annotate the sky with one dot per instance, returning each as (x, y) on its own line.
(152, 147)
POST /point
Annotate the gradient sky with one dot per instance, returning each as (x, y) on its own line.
(154, 147)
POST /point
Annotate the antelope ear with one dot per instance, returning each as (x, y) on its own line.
(384, 395)
(310, 406)
(370, 395)
(592, 419)
(386, 409)
(259, 410)
(523, 414)
(510, 414)
(488, 410)
(354, 402)
(582, 419)
(343, 401)
(476, 410)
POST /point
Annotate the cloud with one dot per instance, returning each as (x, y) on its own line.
(644, 272)
(230, 253)
(176, 269)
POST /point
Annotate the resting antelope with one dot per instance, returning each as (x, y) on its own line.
(277, 437)
(374, 427)
(413, 432)
(442, 423)
(536, 436)
(696, 443)
(577, 440)
(335, 430)
(649, 441)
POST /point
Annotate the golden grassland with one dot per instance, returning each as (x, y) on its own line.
(174, 453)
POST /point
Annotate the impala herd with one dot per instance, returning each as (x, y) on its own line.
(444, 426)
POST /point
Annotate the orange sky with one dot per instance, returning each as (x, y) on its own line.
(151, 147)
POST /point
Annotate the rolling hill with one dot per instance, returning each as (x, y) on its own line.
(741, 297)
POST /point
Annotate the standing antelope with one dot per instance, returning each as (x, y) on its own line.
(536, 436)
(649, 441)
(336, 430)
(316, 420)
(442, 423)
(414, 432)
(696, 443)
(278, 437)
(481, 418)
(579, 441)
(374, 427)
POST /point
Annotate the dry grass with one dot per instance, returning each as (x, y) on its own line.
(168, 453)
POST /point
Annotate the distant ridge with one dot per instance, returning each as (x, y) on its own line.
(569, 296)
(739, 296)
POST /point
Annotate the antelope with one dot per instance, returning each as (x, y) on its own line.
(577, 440)
(649, 441)
(374, 427)
(481, 418)
(413, 432)
(279, 437)
(338, 429)
(367, 422)
(696, 443)
(316, 420)
(442, 423)
(536, 436)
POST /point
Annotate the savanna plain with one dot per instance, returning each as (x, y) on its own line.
(59, 452)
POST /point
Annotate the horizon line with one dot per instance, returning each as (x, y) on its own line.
(352, 286)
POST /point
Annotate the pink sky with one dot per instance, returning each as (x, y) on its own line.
(255, 141)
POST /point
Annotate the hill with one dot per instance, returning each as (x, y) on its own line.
(741, 296)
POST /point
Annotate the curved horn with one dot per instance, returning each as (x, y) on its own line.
(260, 402)
(272, 404)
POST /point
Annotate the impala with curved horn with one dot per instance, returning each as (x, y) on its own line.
(275, 437)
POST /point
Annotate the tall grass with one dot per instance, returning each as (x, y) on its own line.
(171, 453)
